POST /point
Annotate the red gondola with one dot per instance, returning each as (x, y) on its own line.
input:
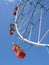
(19, 52)
(14, 13)
(12, 29)
(16, 48)
(11, 32)
(12, 25)
(16, 8)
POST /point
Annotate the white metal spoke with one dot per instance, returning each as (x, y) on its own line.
(44, 35)
(30, 32)
(40, 27)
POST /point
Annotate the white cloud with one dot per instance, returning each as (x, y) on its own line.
(9, 0)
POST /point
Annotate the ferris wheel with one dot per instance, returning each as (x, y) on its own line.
(28, 14)
(24, 20)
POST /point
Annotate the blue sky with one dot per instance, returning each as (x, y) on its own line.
(34, 55)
